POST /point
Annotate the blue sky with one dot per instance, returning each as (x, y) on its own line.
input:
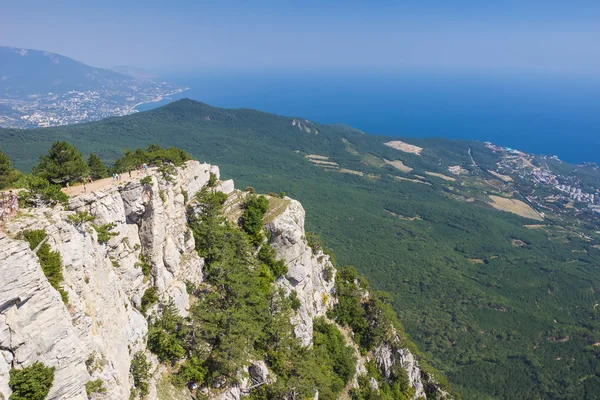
(512, 35)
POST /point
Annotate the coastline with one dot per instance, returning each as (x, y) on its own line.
(133, 108)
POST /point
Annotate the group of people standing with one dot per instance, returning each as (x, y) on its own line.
(9, 205)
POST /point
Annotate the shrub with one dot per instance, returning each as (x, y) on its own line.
(267, 255)
(50, 261)
(80, 218)
(32, 382)
(295, 302)
(212, 180)
(192, 370)
(185, 195)
(147, 180)
(105, 232)
(144, 265)
(140, 371)
(149, 298)
(39, 191)
(167, 171)
(314, 242)
(162, 195)
(96, 386)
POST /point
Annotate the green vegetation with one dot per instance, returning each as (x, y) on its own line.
(149, 298)
(267, 255)
(105, 232)
(63, 164)
(140, 371)
(144, 265)
(96, 166)
(482, 310)
(8, 175)
(32, 382)
(95, 386)
(239, 315)
(38, 190)
(80, 218)
(252, 219)
(153, 155)
(50, 261)
(212, 180)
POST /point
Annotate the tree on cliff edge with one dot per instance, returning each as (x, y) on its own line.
(63, 164)
(8, 175)
(97, 168)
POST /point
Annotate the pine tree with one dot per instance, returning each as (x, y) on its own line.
(8, 175)
(63, 164)
(32, 382)
(97, 168)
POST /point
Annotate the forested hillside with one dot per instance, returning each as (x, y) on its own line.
(504, 305)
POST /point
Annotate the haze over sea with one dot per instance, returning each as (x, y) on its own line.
(553, 115)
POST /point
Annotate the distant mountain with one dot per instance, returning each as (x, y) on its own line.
(134, 72)
(25, 72)
(39, 89)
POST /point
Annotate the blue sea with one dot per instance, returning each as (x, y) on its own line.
(554, 115)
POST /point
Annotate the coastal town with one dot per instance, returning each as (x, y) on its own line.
(56, 109)
(545, 187)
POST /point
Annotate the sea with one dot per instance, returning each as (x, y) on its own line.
(542, 114)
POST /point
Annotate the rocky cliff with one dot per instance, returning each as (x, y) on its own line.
(95, 335)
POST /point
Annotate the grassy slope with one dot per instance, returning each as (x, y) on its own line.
(490, 326)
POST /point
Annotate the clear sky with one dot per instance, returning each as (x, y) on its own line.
(486, 35)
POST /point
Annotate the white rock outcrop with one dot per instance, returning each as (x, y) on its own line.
(104, 281)
(310, 274)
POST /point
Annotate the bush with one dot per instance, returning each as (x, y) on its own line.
(105, 232)
(147, 180)
(80, 218)
(144, 265)
(314, 242)
(32, 382)
(149, 298)
(295, 302)
(96, 386)
(212, 180)
(140, 371)
(191, 371)
(267, 255)
(50, 261)
(39, 191)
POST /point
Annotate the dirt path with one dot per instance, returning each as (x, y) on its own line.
(101, 184)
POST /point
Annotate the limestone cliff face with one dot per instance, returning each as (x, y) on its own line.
(97, 333)
(104, 281)
(310, 274)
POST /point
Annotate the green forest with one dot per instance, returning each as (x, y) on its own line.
(503, 310)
